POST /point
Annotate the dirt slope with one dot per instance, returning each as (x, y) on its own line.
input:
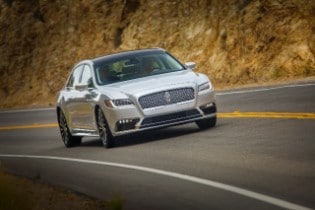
(234, 42)
(19, 193)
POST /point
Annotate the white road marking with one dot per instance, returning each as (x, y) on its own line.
(218, 185)
(262, 89)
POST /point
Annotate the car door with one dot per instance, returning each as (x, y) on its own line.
(70, 96)
(85, 100)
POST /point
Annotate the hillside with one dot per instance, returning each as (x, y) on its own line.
(234, 42)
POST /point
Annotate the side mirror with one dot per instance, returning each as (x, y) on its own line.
(191, 65)
(81, 87)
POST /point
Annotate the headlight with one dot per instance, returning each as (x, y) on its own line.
(122, 102)
(204, 86)
(118, 102)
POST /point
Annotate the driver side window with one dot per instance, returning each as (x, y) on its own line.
(75, 77)
(87, 77)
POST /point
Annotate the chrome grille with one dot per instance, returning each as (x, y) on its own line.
(167, 97)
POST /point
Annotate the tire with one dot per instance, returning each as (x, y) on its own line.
(103, 130)
(207, 123)
(67, 138)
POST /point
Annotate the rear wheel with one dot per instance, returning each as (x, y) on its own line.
(67, 138)
(103, 130)
(207, 123)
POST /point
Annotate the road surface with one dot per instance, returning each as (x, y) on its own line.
(261, 155)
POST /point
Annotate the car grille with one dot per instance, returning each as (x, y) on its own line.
(167, 97)
(170, 118)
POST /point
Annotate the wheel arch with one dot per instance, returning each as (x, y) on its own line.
(58, 110)
(96, 108)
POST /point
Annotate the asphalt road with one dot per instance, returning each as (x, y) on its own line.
(261, 158)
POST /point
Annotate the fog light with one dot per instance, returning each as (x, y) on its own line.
(209, 108)
(126, 124)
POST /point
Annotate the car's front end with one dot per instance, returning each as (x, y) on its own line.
(160, 101)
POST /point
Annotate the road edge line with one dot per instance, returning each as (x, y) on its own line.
(260, 89)
(237, 190)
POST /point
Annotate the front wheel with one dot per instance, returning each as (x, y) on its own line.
(103, 130)
(67, 138)
(207, 123)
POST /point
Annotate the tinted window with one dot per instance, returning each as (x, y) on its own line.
(75, 77)
(135, 66)
(87, 77)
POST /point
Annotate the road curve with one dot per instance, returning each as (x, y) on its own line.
(245, 162)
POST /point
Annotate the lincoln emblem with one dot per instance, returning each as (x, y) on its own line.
(167, 97)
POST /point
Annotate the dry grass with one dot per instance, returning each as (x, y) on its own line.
(12, 197)
(234, 42)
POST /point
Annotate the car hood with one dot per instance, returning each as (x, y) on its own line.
(155, 83)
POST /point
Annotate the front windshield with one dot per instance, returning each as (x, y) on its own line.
(135, 66)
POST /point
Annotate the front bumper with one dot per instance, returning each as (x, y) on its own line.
(132, 118)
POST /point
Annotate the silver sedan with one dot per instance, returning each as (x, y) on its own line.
(130, 92)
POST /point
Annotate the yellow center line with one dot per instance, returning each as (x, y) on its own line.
(49, 125)
(236, 114)
(279, 115)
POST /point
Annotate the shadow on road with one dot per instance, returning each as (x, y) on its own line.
(147, 136)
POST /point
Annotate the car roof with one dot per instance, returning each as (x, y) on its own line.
(126, 53)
